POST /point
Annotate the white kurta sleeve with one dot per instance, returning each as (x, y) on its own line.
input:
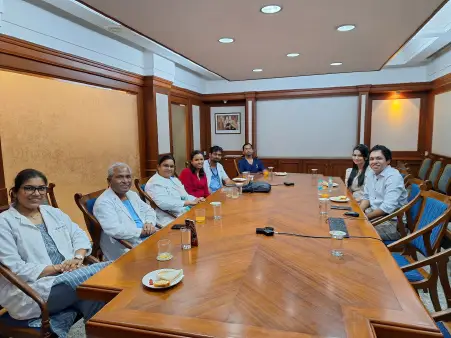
(163, 199)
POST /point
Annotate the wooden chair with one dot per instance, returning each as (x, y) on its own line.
(430, 227)
(435, 172)
(238, 173)
(10, 327)
(439, 263)
(140, 187)
(51, 195)
(444, 182)
(86, 204)
(424, 168)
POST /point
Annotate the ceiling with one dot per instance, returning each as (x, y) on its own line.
(192, 28)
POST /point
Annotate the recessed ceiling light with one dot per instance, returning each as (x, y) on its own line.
(345, 28)
(256, 70)
(270, 9)
(336, 63)
(226, 40)
(292, 55)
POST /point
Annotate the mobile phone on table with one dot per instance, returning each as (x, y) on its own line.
(337, 207)
(177, 226)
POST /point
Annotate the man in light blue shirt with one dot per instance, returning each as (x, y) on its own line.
(384, 192)
(214, 170)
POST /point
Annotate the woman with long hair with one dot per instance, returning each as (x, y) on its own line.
(193, 177)
(355, 176)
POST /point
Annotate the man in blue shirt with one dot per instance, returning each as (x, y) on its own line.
(248, 162)
(214, 170)
(384, 192)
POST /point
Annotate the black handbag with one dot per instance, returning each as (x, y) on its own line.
(257, 187)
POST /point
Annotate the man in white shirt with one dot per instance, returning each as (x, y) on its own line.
(216, 175)
(384, 192)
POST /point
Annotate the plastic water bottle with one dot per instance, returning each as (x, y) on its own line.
(320, 187)
(330, 183)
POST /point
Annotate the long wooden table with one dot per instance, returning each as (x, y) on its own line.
(239, 284)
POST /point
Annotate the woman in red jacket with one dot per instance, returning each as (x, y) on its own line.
(194, 178)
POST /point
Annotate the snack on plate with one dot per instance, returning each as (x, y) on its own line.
(161, 283)
(170, 274)
(342, 198)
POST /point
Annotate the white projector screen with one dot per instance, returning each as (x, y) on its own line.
(311, 127)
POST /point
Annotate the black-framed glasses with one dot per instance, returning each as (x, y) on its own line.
(30, 189)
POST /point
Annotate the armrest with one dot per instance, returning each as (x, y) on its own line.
(444, 255)
(444, 315)
(91, 260)
(418, 233)
(399, 212)
(125, 243)
(25, 288)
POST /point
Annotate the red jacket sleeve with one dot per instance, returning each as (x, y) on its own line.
(205, 184)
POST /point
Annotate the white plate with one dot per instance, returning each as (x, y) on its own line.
(280, 174)
(239, 179)
(333, 184)
(154, 276)
(335, 199)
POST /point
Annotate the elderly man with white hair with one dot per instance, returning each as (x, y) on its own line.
(121, 213)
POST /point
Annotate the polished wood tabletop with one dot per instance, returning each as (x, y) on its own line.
(240, 284)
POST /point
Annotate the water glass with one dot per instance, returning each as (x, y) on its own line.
(164, 250)
(337, 243)
(186, 238)
(217, 212)
(200, 215)
(323, 206)
(239, 187)
(314, 173)
(235, 192)
(228, 191)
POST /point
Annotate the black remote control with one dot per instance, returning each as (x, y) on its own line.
(338, 224)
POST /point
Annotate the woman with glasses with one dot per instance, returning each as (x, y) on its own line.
(355, 176)
(45, 249)
(168, 192)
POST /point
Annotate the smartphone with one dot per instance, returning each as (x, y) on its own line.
(177, 226)
(340, 208)
(351, 214)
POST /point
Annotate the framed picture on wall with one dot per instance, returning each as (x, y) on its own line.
(228, 123)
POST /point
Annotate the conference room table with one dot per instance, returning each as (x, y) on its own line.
(241, 284)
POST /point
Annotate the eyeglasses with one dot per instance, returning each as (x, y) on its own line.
(29, 189)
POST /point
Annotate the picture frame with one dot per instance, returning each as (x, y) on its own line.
(228, 123)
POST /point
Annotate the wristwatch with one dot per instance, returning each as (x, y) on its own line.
(80, 257)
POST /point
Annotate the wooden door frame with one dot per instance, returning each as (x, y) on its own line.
(188, 122)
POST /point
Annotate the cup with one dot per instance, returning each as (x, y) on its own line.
(337, 243)
(228, 191)
(239, 187)
(314, 173)
(323, 205)
(185, 233)
(246, 174)
(164, 250)
(217, 212)
(235, 192)
(251, 178)
(200, 215)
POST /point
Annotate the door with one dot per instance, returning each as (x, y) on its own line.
(179, 135)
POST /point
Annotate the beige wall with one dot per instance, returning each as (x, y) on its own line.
(71, 132)
(441, 138)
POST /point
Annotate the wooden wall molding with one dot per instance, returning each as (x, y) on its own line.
(442, 84)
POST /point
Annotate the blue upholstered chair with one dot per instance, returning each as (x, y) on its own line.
(435, 172)
(86, 204)
(434, 214)
(424, 169)
(438, 262)
(444, 182)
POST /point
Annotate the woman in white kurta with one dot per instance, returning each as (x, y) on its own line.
(355, 176)
(45, 249)
(168, 192)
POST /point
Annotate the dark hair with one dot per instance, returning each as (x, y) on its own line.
(165, 157)
(355, 169)
(191, 167)
(215, 149)
(385, 151)
(248, 144)
(22, 177)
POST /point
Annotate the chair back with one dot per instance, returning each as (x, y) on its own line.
(3, 208)
(236, 167)
(424, 169)
(444, 183)
(51, 199)
(435, 209)
(86, 204)
(435, 171)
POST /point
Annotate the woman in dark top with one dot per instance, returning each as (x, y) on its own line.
(194, 178)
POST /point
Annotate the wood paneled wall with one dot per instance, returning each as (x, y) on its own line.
(23, 56)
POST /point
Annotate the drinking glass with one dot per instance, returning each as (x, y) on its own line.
(314, 173)
(217, 212)
(323, 206)
(164, 250)
(337, 243)
(186, 238)
(239, 187)
(235, 192)
(200, 215)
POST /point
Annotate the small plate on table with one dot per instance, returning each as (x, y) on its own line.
(239, 179)
(280, 173)
(339, 199)
(326, 184)
(154, 277)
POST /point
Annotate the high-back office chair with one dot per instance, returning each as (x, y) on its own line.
(86, 204)
(430, 227)
(444, 182)
(424, 168)
(434, 174)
